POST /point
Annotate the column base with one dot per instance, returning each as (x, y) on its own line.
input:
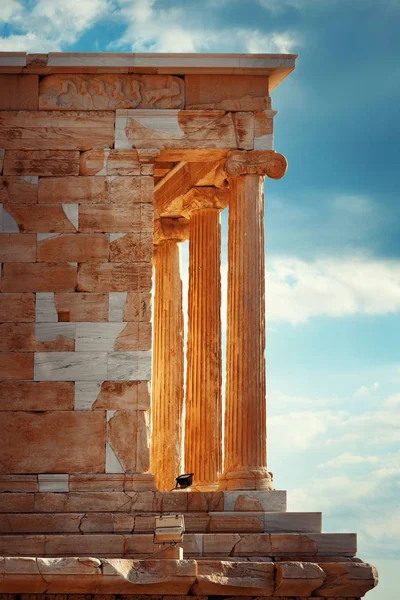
(246, 479)
(205, 487)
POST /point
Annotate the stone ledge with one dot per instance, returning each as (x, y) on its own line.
(181, 577)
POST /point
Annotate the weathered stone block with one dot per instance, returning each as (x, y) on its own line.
(16, 308)
(131, 247)
(35, 218)
(226, 92)
(31, 337)
(123, 395)
(108, 91)
(216, 578)
(174, 129)
(249, 501)
(16, 365)
(79, 247)
(112, 218)
(67, 366)
(34, 130)
(113, 336)
(19, 190)
(297, 578)
(129, 366)
(73, 306)
(15, 247)
(110, 162)
(347, 579)
(129, 306)
(52, 442)
(19, 92)
(36, 396)
(15, 483)
(38, 277)
(114, 277)
(79, 190)
(41, 162)
(128, 436)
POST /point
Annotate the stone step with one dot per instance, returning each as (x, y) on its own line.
(143, 502)
(184, 579)
(202, 522)
(214, 545)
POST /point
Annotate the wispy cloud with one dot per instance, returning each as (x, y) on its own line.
(365, 390)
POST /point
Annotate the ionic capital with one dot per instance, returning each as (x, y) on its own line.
(199, 198)
(168, 229)
(255, 162)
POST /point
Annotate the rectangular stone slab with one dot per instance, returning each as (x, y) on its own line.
(45, 163)
(38, 277)
(15, 247)
(19, 92)
(53, 130)
(81, 247)
(53, 442)
(19, 190)
(36, 396)
(16, 308)
(174, 129)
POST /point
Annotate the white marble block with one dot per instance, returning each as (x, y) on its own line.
(129, 366)
(86, 393)
(116, 306)
(70, 366)
(97, 337)
(49, 482)
(47, 332)
(112, 463)
(46, 307)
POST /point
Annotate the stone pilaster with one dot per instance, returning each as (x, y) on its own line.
(168, 360)
(245, 410)
(203, 424)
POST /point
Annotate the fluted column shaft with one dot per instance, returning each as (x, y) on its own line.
(245, 410)
(168, 369)
(203, 383)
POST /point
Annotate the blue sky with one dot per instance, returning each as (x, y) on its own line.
(333, 248)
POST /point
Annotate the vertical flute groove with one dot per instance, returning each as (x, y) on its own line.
(204, 360)
(167, 380)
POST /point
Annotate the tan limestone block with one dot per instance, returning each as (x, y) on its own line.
(172, 502)
(36, 395)
(20, 337)
(227, 92)
(293, 543)
(22, 545)
(17, 308)
(50, 130)
(81, 307)
(75, 190)
(297, 578)
(139, 482)
(127, 431)
(19, 92)
(134, 336)
(86, 501)
(137, 307)
(115, 218)
(114, 277)
(108, 523)
(38, 277)
(110, 162)
(232, 522)
(123, 395)
(217, 544)
(174, 129)
(84, 545)
(55, 441)
(17, 503)
(205, 501)
(263, 130)
(15, 247)
(2, 152)
(41, 162)
(110, 91)
(40, 523)
(72, 247)
(126, 190)
(69, 566)
(36, 218)
(19, 190)
(236, 579)
(244, 129)
(347, 579)
(132, 247)
(16, 483)
(105, 482)
(16, 365)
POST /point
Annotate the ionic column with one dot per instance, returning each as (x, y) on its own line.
(203, 421)
(168, 359)
(245, 464)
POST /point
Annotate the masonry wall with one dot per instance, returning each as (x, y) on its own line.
(75, 305)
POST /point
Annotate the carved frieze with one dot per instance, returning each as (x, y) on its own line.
(110, 91)
(256, 162)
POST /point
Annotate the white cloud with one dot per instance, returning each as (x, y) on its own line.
(298, 290)
(365, 390)
(348, 459)
(48, 25)
(153, 28)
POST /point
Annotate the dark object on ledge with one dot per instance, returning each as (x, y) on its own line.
(184, 481)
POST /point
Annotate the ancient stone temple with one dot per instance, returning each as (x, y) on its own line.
(107, 163)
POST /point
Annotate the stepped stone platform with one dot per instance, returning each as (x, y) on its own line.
(237, 543)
